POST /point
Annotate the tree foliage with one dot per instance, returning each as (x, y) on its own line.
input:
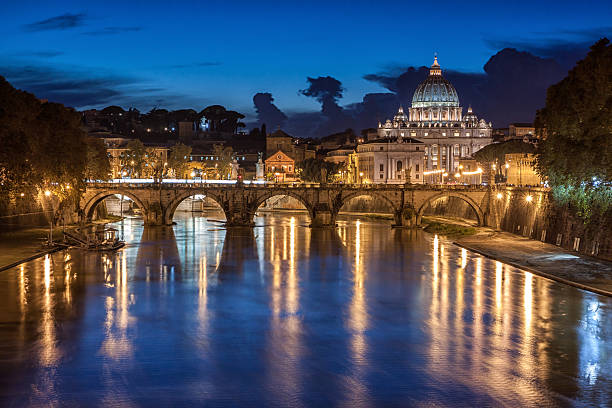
(318, 170)
(43, 146)
(576, 123)
(98, 164)
(575, 153)
(179, 158)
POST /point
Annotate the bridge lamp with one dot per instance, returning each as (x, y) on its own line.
(461, 167)
(22, 194)
(192, 174)
(457, 175)
(499, 196)
(529, 198)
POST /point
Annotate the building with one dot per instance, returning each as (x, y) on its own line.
(291, 146)
(525, 132)
(436, 119)
(117, 151)
(280, 167)
(390, 160)
(520, 171)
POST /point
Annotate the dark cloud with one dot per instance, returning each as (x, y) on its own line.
(327, 91)
(112, 31)
(86, 89)
(267, 112)
(63, 22)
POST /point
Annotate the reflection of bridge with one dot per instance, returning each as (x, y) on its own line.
(158, 202)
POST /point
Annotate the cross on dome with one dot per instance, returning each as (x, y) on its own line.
(435, 67)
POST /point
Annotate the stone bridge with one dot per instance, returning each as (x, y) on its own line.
(239, 202)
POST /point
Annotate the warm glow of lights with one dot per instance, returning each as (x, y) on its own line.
(22, 194)
(461, 167)
(507, 166)
(444, 174)
(470, 173)
(427, 173)
(47, 193)
(529, 198)
(499, 196)
(457, 175)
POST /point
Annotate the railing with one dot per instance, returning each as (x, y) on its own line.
(175, 183)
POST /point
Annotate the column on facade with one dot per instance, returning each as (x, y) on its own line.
(429, 149)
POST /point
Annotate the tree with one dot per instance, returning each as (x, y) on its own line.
(575, 126)
(179, 159)
(134, 158)
(98, 164)
(315, 170)
(576, 123)
(222, 164)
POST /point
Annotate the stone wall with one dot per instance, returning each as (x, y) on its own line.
(543, 220)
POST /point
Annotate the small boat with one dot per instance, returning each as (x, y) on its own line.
(101, 240)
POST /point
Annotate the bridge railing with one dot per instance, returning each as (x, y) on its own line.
(209, 184)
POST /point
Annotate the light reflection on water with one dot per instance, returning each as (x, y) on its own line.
(283, 315)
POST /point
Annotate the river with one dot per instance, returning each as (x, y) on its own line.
(285, 315)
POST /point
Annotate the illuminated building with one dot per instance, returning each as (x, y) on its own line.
(436, 119)
(390, 160)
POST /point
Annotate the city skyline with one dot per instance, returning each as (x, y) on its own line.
(194, 55)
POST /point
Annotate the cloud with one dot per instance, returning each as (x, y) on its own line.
(267, 112)
(85, 89)
(112, 31)
(63, 22)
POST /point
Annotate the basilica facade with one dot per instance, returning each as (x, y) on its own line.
(436, 118)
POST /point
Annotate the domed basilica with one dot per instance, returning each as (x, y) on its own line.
(436, 119)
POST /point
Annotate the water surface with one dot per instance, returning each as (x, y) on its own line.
(285, 315)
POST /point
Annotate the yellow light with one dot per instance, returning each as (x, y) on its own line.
(461, 166)
(479, 170)
(361, 174)
(67, 186)
(47, 193)
(493, 166)
(445, 174)
(457, 175)
(529, 198)
(22, 194)
(192, 174)
(507, 165)
(499, 196)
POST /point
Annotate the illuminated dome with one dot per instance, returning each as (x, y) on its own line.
(435, 91)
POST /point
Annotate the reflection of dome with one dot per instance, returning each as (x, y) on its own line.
(435, 91)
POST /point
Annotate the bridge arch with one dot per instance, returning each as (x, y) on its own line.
(279, 193)
(345, 198)
(171, 208)
(91, 204)
(473, 204)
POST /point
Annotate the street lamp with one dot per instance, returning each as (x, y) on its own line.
(361, 177)
(48, 195)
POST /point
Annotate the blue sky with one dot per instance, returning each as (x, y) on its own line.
(193, 54)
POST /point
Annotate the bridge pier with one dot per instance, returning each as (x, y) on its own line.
(405, 218)
(322, 216)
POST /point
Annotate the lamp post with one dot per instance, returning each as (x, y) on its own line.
(361, 177)
(48, 195)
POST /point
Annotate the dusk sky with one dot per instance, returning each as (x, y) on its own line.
(184, 54)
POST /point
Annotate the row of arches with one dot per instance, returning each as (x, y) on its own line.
(252, 208)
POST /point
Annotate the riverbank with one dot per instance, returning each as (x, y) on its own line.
(542, 259)
(23, 245)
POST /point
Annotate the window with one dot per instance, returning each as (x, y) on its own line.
(468, 134)
(443, 133)
(382, 167)
(426, 133)
(382, 148)
(457, 134)
(417, 176)
(381, 175)
(456, 150)
(399, 166)
(417, 148)
(416, 167)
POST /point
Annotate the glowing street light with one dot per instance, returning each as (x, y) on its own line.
(529, 198)
(499, 196)
(47, 193)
